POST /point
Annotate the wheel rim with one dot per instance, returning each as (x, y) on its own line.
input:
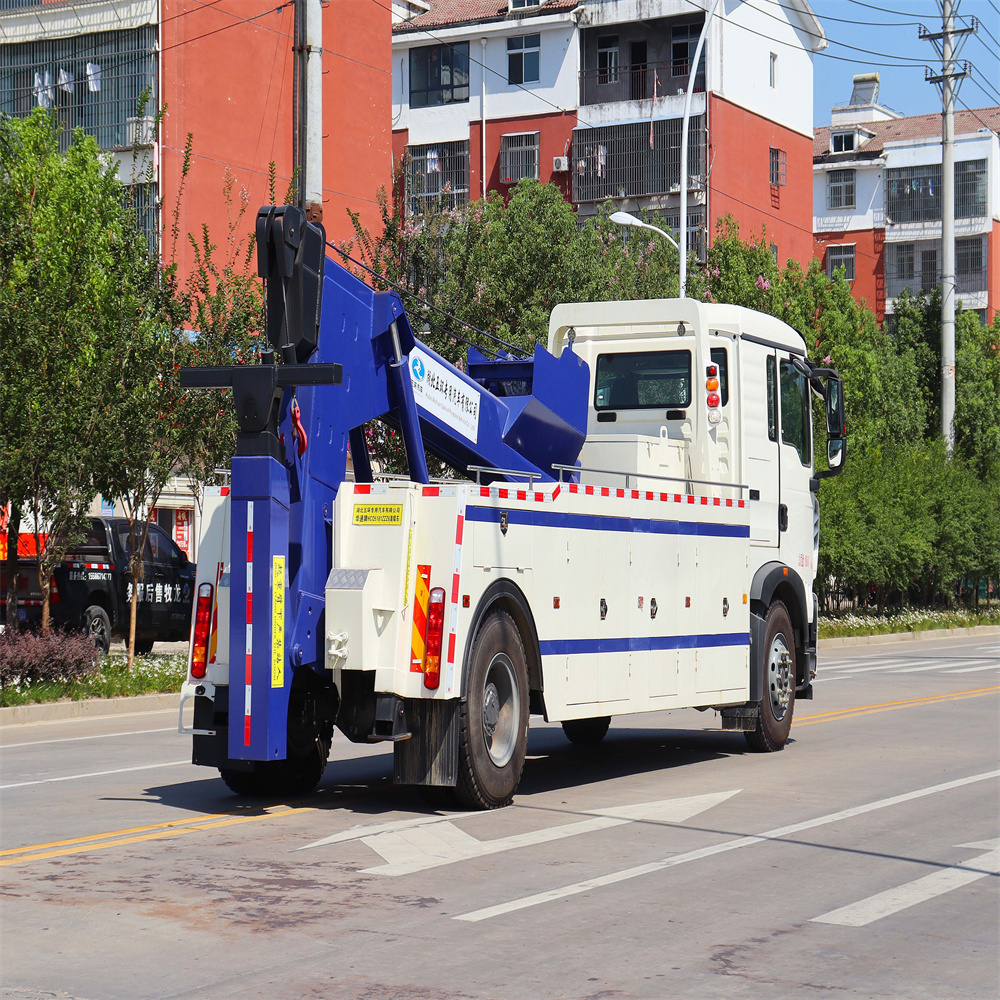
(500, 710)
(779, 670)
(96, 630)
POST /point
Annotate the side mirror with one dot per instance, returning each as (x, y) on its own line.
(836, 450)
(836, 422)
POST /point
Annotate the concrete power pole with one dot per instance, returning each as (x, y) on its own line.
(307, 138)
(948, 42)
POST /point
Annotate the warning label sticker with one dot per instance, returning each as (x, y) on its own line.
(444, 395)
(378, 513)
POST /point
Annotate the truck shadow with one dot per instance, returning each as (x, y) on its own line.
(363, 785)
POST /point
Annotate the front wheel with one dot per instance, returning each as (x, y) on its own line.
(776, 706)
(494, 719)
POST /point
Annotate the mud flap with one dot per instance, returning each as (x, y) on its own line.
(430, 757)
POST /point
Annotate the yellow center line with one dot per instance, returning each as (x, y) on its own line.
(888, 706)
(174, 832)
(113, 833)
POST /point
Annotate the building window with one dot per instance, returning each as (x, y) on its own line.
(619, 161)
(900, 268)
(840, 256)
(439, 74)
(437, 174)
(779, 167)
(842, 142)
(774, 70)
(970, 189)
(516, 4)
(519, 157)
(96, 82)
(913, 194)
(683, 42)
(840, 189)
(774, 252)
(522, 59)
(970, 264)
(607, 59)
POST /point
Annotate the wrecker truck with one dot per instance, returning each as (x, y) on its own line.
(635, 528)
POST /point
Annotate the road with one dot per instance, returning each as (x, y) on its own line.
(861, 862)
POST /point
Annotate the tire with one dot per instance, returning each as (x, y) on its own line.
(310, 733)
(586, 732)
(143, 646)
(778, 703)
(494, 716)
(97, 625)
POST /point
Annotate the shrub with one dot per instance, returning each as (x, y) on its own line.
(28, 657)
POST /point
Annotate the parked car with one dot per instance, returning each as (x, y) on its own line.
(92, 588)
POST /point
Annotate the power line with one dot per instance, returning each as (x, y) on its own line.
(226, 27)
(988, 89)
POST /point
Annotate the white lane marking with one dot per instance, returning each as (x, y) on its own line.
(423, 845)
(946, 665)
(371, 829)
(99, 736)
(95, 774)
(975, 670)
(706, 852)
(823, 680)
(884, 904)
(867, 665)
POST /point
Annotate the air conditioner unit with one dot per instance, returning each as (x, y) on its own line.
(140, 131)
(560, 164)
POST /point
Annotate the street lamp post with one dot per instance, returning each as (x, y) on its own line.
(624, 219)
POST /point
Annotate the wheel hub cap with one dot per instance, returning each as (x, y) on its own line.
(780, 678)
(501, 709)
(491, 709)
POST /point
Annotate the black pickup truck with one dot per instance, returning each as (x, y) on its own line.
(93, 590)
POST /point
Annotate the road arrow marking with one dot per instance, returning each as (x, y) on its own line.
(415, 845)
(705, 852)
(884, 904)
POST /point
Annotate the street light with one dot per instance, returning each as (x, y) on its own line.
(624, 219)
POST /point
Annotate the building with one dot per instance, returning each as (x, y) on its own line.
(590, 96)
(877, 201)
(221, 76)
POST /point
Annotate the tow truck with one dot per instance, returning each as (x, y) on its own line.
(633, 526)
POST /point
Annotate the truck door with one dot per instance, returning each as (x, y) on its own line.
(796, 507)
(166, 580)
(759, 372)
(143, 608)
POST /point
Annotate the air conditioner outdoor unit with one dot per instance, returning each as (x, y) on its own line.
(560, 164)
(140, 131)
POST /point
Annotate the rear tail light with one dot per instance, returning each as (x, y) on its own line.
(202, 618)
(53, 591)
(713, 399)
(435, 631)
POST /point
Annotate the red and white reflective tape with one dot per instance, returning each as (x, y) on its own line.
(604, 491)
(82, 565)
(455, 581)
(248, 685)
(367, 489)
(505, 493)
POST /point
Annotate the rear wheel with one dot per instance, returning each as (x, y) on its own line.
(494, 720)
(586, 732)
(97, 625)
(775, 717)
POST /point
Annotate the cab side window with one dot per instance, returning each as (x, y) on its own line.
(795, 413)
(772, 400)
(163, 549)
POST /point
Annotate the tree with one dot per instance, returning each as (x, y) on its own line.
(61, 235)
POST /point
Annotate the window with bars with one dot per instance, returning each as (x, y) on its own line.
(913, 194)
(439, 74)
(696, 242)
(97, 82)
(523, 53)
(840, 189)
(970, 189)
(636, 159)
(437, 174)
(917, 265)
(841, 256)
(970, 264)
(778, 167)
(519, 155)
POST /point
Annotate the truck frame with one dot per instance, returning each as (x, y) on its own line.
(637, 529)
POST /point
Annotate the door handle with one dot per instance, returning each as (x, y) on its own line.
(782, 517)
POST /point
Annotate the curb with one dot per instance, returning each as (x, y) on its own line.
(934, 633)
(97, 708)
(88, 708)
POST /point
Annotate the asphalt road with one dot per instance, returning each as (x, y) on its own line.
(862, 861)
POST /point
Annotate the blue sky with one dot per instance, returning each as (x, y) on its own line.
(890, 27)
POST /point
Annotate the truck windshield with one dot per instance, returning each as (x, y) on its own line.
(643, 380)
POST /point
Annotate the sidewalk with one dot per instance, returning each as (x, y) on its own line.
(92, 708)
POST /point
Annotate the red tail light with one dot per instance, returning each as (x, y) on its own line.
(202, 618)
(435, 631)
(53, 591)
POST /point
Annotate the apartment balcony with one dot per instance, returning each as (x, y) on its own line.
(917, 266)
(639, 159)
(638, 82)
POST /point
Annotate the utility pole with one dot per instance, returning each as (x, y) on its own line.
(307, 107)
(948, 42)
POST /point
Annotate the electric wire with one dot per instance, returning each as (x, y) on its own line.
(402, 289)
(226, 27)
(987, 89)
